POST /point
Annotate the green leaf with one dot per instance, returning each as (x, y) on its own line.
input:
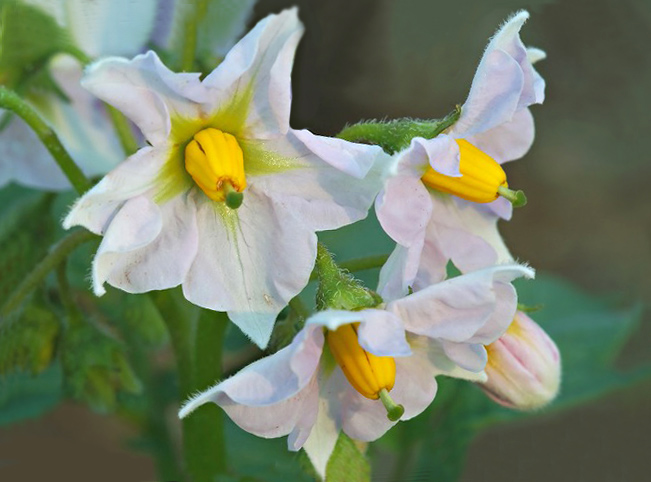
(28, 39)
(26, 232)
(28, 343)
(23, 396)
(96, 367)
(136, 315)
(255, 459)
(589, 332)
(347, 463)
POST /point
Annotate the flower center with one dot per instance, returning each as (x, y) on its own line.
(214, 160)
(482, 179)
(372, 376)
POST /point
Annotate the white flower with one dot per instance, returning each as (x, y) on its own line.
(429, 225)
(311, 393)
(101, 27)
(167, 213)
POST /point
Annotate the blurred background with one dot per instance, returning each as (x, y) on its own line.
(588, 218)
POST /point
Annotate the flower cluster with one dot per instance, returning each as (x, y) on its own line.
(225, 200)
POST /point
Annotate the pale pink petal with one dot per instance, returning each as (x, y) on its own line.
(273, 396)
(251, 261)
(299, 181)
(147, 247)
(505, 308)
(441, 152)
(505, 82)
(403, 209)
(325, 432)
(399, 272)
(508, 141)
(457, 308)
(440, 362)
(262, 62)
(469, 356)
(131, 178)
(147, 92)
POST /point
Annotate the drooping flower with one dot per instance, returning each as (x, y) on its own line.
(227, 198)
(102, 27)
(524, 366)
(359, 371)
(442, 201)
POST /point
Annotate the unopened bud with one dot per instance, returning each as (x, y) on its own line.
(524, 366)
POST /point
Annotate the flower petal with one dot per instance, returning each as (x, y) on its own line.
(505, 82)
(146, 91)
(262, 62)
(441, 152)
(131, 178)
(399, 271)
(403, 209)
(469, 356)
(111, 27)
(506, 306)
(457, 308)
(147, 247)
(441, 363)
(274, 395)
(250, 262)
(508, 141)
(380, 332)
(325, 432)
(320, 195)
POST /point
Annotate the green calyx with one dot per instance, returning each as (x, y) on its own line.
(395, 135)
(338, 289)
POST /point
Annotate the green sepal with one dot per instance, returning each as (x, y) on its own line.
(96, 367)
(338, 289)
(396, 135)
(29, 342)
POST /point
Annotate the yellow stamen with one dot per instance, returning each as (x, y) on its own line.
(482, 179)
(367, 373)
(214, 160)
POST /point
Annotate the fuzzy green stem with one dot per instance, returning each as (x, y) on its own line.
(204, 445)
(394, 136)
(47, 264)
(359, 264)
(11, 101)
(198, 350)
(194, 12)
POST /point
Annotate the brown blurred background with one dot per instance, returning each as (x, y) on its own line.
(587, 179)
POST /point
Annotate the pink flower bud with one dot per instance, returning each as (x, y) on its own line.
(524, 366)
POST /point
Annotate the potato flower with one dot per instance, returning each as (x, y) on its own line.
(445, 194)
(360, 371)
(226, 199)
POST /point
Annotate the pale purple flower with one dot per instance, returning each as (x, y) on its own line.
(432, 227)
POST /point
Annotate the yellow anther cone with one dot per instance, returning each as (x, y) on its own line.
(215, 161)
(367, 373)
(481, 176)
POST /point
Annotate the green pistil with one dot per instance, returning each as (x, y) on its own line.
(394, 410)
(517, 198)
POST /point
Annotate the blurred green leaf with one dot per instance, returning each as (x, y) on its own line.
(28, 39)
(589, 332)
(222, 24)
(26, 232)
(95, 367)
(23, 396)
(347, 463)
(254, 459)
(29, 342)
